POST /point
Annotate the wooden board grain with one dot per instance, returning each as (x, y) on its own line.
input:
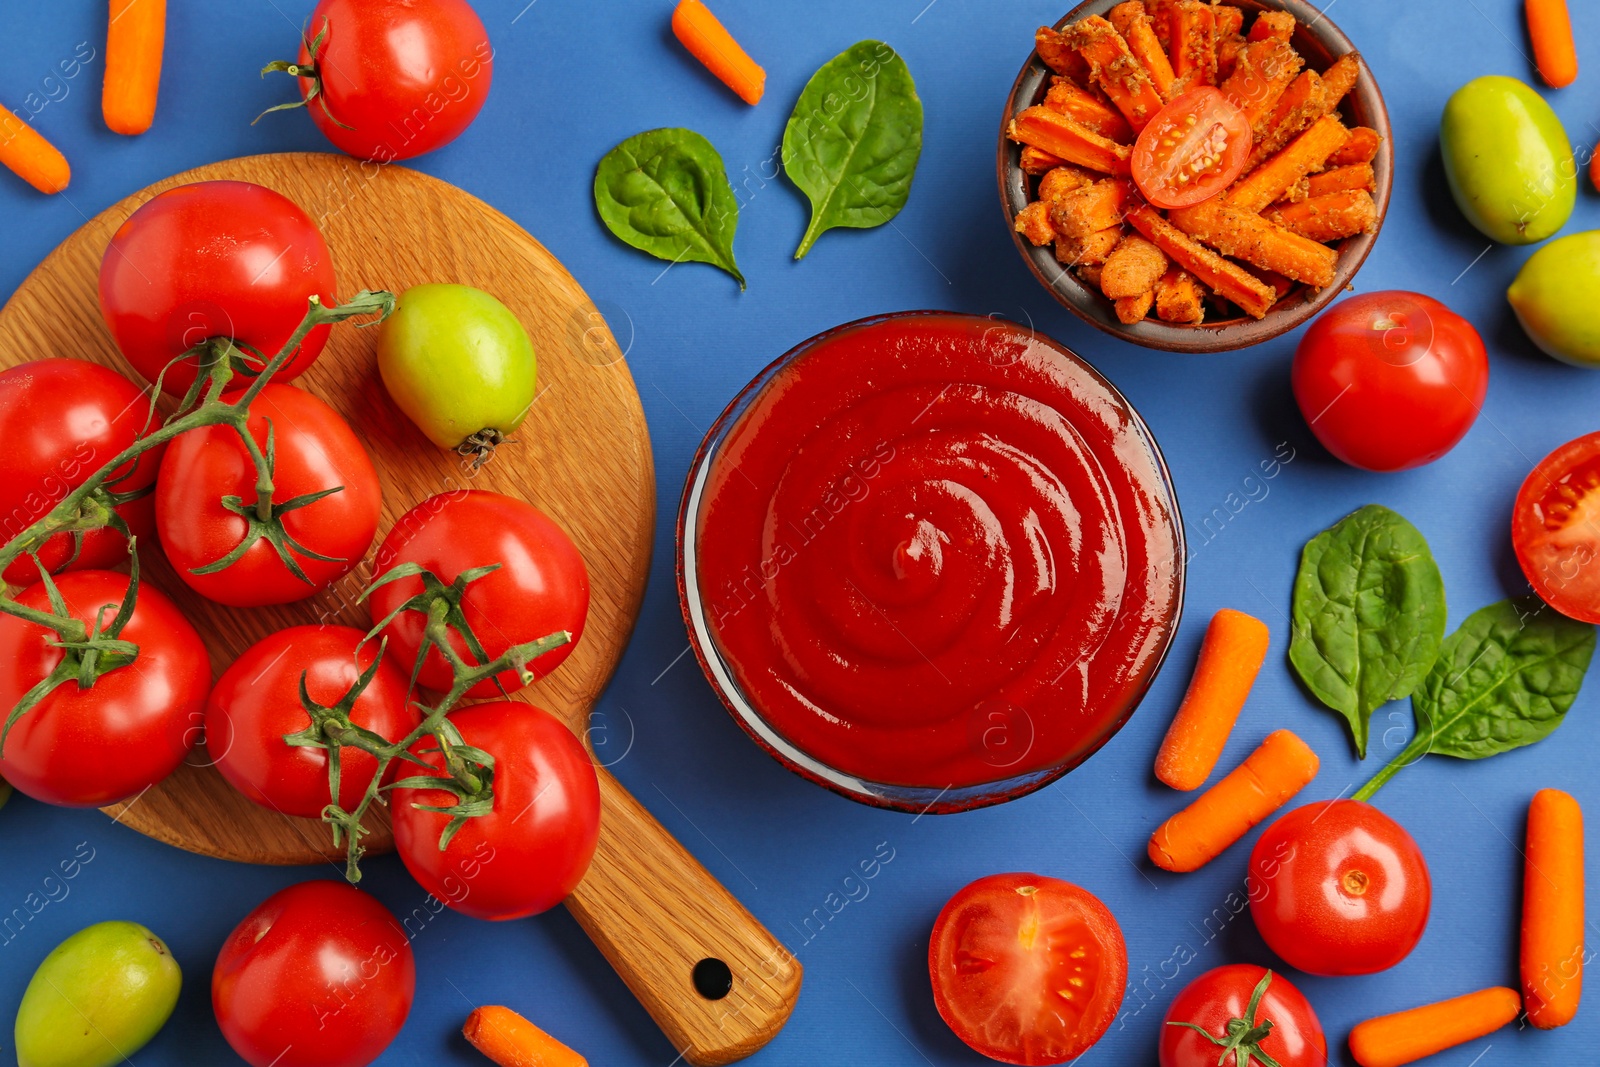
(583, 456)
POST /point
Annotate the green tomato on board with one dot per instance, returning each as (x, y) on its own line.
(1508, 160)
(459, 364)
(1554, 298)
(98, 998)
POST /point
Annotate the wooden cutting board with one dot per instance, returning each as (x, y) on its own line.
(583, 456)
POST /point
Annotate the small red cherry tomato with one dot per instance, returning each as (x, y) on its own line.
(1192, 150)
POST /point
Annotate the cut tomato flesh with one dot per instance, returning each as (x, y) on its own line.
(1556, 528)
(1192, 150)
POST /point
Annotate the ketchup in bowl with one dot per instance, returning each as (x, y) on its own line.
(931, 560)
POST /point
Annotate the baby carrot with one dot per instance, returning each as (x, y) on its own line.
(512, 1041)
(1552, 910)
(1230, 657)
(1406, 1036)
(32, 158)
(1554, 53)
(134, 43)
(1221, 815)
(706, 39)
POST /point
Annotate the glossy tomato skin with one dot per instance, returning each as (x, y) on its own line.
(1339, 888)
(319, 975)
(61, 420)
(257, 701)
(93, 747)
(533, 849)
(1553, 528)
(316, 451)
(1390, 380)
(1200, 127)
(542, 586)
(1223, 994)
(214, 259)
(408, 75)
(1042, 936)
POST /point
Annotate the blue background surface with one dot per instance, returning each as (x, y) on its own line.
(572, 79)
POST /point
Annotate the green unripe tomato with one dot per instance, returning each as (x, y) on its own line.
(459, 364)
(1508, 160)
(98, 998)
(1554, 298)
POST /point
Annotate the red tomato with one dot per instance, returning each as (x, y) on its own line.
(214, 260)
(1555, 528)
(526, 855)
(542, 586)
(316, 451)
(320, 975)
(257, 701)
(1341, 889)
(1192, 150)
(61, 420)
(1389, 381)
(403, 76)
(97, 746)
(1027, 969)
(1217, 998)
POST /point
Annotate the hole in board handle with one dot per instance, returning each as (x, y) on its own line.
(713, 979)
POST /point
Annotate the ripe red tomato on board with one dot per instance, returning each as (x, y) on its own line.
(1555, 528)
(533, 849)
(316, 451)
(395, 78)
(541, 587)
(1192, 150)
(1027, 969)
(1343, 889)
(1212, 1002)
(257, 701)
(208, 260)
(101, 745)
(319, 975)
(61, 420)
(1391, 380)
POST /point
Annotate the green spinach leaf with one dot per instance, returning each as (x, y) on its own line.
(1369, 614)
(854, 139)
(666, 192)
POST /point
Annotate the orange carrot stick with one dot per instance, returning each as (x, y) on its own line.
(1260, 77)
(1332, 217)
(1194, 44)
(1259, 786)
(1132, 309)
(30, 157)
(1084, 107)
(1033, 222)
(1230, 38)
(1179, 299)
(1300, 105)
(1228, 280)
(1052, 132)
(1552, 910)
(1407, 1036)
(1123, 77)
(708, 41)
(512, 1041)
(1059, 181)
(1230, 657)
(1554, 52)
(1245, 235)
(134, 42)
(1268, 182)
(1134, 23)
(1133, 269)
(1090, 250)
(1342, 179)
(1362, 147)
(1269, 24)
(1036, 161)
(1089, 209)
(1058, 55)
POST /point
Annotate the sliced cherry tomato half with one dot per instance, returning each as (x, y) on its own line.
(1027, 969)
(1192, 150)
(1555, 528)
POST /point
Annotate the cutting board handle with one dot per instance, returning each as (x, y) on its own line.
(657, 915)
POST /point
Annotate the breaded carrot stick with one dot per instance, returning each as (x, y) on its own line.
(709, 41)
(1053, 132)
(1036, 161)
(1342, 179)
(512, 1041)
(1179, 299)
(1552, 910)
(1299, 106)
(1230, 38)
(1132, 309)
(1259, 786)
(1133, 269)
(135, 38)
(1230, 19)
(1408, 1036)
(1245, 235)
(1340, 78)
(1090, 209)
(1089, 251)
(1362, 147)
(1231, 655)
(1272, 24)
(1262, 74)
(30, 157)
(1306, 153)
(1084, 107)
(1194, 44)
(1033, 222)
(1554, 52)
(1331, 217)
(1122, 77)
(1228, 280)
(1133, 22)
(1058, 55)
(1060, 181)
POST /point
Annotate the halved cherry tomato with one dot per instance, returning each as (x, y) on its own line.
(1192, 150)
(1027, 969)
(1555, 528)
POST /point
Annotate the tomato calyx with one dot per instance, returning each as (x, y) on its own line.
(479, 447)
(1243, 1037)
(304, 70)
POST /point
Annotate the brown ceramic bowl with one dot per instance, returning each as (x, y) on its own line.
(1320, 42)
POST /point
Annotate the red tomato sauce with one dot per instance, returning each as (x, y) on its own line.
(938, 551)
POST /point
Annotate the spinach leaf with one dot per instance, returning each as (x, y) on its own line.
(854, 139)
(1503, 680)
(1369, 614)
(666, 192)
